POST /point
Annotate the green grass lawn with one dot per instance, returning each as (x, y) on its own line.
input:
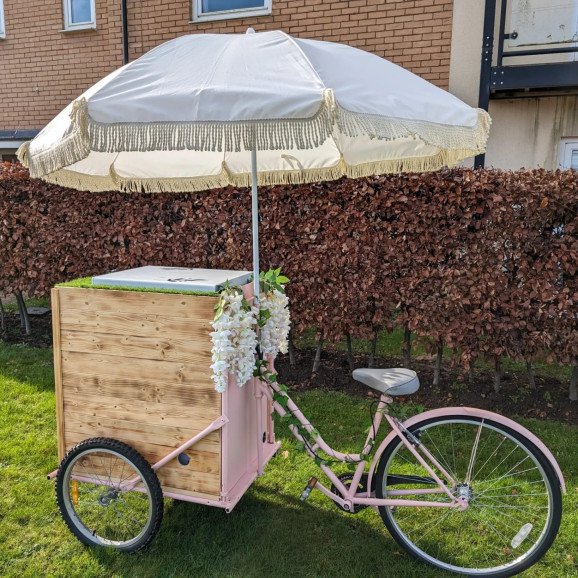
(270, 533)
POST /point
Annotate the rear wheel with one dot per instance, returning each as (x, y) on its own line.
(514, 497)
(109, 495)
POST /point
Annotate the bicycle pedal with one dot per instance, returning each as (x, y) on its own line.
(310, 485)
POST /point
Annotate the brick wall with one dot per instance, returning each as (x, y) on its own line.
(42, 69)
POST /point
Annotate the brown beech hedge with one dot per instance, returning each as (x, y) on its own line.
(482, 261)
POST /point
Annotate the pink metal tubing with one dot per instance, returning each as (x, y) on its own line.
(194, 500)
(430, 457)
(351, 498)
(258, 397)
(383, 401)
(385, 502)
(266, 390)
(97, 481)
(308, 449)
(350, 493)
(110, 484)
(217, 424)
(295, 411)
(336, 481)
(429, 470)
(356, 478)
(281, 411)
(337, 499)
(173, 495)
(409, 503)
(416, 492)
(472, 412)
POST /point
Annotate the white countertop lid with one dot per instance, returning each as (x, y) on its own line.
(178, 278)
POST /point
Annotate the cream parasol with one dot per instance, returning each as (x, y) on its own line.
(209, 110)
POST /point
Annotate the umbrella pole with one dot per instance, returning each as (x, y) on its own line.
(255, 222)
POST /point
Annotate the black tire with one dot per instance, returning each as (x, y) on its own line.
(548, 473)
(149, 479)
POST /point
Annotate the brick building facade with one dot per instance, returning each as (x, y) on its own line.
(46, 60)
(43, 67)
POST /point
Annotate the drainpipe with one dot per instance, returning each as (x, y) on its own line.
(486, 67)
(124, 13)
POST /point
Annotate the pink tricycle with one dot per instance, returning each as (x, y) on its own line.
(463, 489)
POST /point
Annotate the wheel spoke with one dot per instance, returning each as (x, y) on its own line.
(497, 466)
(488, 437)
(454, 470)
(508, 474)
(440, 458)
(432, 526)
(505, 458)
(473, 455)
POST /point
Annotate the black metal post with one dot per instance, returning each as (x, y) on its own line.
(124, 13)
(501, 33)
(486, 67)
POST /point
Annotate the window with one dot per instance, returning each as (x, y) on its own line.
(222, 9)
(569, 154)
(2, 30)
(79, 14)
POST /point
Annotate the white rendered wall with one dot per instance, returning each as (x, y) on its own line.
(525, 132)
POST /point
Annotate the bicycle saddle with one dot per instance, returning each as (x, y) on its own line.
(394, 381)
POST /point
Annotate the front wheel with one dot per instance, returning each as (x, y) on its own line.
(109, 495)
(513, 494)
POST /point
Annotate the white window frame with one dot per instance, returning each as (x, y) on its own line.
(71, 26)
(567, 146)
(2, 25)
(198, 15)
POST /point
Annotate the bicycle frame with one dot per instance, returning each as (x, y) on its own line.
(349, 497)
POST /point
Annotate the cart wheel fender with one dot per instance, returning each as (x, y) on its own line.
(473, 412)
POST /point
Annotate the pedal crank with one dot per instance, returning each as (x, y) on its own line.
(346, 480)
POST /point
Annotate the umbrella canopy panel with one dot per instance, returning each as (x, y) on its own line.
(185, 116)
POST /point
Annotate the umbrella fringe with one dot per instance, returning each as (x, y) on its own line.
(452, 137)
(70, 150)
(88, 135)
(114, 181)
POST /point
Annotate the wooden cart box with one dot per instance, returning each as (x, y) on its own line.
(135, 366)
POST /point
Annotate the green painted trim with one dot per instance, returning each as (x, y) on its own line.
(86, 283)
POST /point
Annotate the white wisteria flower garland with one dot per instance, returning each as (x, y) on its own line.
(275, 332)
(234, 339)
(235, 326)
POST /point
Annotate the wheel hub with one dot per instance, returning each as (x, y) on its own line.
(107, 497)
(464, 492)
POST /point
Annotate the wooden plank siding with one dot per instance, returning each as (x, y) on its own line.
(135, 366)
(55, 299)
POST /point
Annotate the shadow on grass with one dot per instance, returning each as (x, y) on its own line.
(268, 534)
